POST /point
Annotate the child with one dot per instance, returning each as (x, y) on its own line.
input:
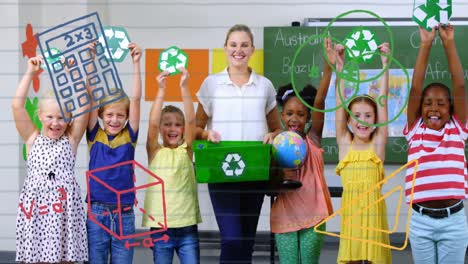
(109, 146)
(172, 161)
(436, 133)
(295, 213)
(50, 225)
(362, 154)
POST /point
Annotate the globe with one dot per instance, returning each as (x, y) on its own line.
(289, 149)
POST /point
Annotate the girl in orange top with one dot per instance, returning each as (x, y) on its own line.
(295, 213)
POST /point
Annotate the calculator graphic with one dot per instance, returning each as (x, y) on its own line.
(72, 39)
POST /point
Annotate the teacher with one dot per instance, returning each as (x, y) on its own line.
(237, 104)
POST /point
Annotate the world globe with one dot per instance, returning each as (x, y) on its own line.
(289, 149)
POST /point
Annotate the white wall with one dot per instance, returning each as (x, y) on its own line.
(153, 24)
(9, 152)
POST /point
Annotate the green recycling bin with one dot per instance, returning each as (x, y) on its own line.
(231, 161)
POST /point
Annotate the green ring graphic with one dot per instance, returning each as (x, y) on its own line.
(312, 38)
(380, 99)
(327, 28)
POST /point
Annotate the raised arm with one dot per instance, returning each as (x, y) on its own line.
(460, 101)
(135, 98)
(317, 117)
(343, 136)
(23, 122)
(152, 144)
(414, 103)
(93, 113)
(79, 124)
(189, 110)
(382, 105)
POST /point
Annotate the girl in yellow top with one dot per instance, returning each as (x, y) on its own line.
(361, 155)
(172, 161)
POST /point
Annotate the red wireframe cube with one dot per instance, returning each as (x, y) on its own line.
(119, 193)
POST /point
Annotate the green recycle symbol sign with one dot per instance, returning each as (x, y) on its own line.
(430, 13)
(117, 41)
(233, 165)
(172, 58)
(51, 57)
(361, 44)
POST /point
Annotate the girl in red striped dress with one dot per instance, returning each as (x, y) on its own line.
(436, 133)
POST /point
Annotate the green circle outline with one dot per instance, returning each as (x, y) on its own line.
(379, 99)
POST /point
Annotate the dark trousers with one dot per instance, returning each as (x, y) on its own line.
(237, 209)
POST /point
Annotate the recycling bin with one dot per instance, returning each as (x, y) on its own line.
(231, 161)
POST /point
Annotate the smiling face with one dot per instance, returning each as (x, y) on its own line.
(435, 107)
(238, 48)
(365, 112)
(53, 124)
(295, 115)
(114, 118)
(172, 129)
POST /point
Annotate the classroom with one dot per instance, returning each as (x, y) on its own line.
(283, 53)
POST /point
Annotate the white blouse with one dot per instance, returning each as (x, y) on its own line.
(237, 113)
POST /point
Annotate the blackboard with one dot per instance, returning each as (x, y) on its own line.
(281, 44)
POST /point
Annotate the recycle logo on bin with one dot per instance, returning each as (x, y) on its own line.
(172, 58)
(361, 44)
(429, 13)
(118, 40)
(51, 58)
(233, 165)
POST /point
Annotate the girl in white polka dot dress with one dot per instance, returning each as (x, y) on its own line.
(51, 223)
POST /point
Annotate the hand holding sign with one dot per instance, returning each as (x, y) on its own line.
(34, 64)
(446, 33)
(135, 52)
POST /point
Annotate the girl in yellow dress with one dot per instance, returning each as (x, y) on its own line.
(361, 154)
(172, 162)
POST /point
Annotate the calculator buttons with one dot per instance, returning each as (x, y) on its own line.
(62, 79)
(85, 55)
(79, 86)
(90, 68)
(66, 92)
